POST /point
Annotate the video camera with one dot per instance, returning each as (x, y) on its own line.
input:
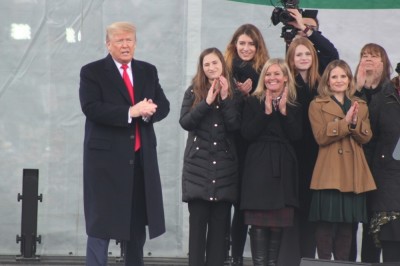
(281, 14)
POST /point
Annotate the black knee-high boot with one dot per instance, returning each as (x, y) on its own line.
(258, 245)
(273, 246)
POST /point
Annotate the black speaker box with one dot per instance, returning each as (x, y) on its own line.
(314, 262)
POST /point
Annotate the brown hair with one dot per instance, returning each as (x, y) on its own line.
(376, 49)
(261, 55)
(324, 88)
(200, 82)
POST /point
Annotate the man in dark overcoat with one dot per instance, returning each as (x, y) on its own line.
(121, 98)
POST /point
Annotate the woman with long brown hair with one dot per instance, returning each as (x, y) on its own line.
(373, 84)
(210, 169)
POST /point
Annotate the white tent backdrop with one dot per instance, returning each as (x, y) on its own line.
(43, 45)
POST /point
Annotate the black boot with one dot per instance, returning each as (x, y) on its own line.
(237, 261)
(274, 245)
(258, 245)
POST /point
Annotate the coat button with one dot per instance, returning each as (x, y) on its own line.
(131, 162)
(383, 156)
(213, 181)
(340, 151)
(215, 199)
(211, 199)
(215, 125)
(132, 136)
(215, 143)
(217, 106)
(197, 148)
(214, 162)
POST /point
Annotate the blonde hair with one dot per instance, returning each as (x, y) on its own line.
(324, 88)
(312, 74)
(120, 26)
(260, 90)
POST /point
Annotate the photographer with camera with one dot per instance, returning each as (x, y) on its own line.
(307, 26)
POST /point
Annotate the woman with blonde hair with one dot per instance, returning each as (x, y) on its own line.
(341, 176)
(271, 119)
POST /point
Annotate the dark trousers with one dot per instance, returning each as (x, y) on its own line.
(97, 249)
(369, 252)
(238, 232)
(308, 244)
(390, 251)
(208, 223)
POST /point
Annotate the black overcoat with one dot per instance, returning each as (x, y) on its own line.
(384, 111)
(270, 179)
(108, 159)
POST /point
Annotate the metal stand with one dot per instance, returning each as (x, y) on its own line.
(29, 199)
(122, 244)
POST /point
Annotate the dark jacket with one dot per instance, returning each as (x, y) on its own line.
(326, 51)
(210, 167)
(384, 109)
(306, 148)
(108, 159)
(270, 173)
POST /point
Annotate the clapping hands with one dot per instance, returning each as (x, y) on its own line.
(219, 86)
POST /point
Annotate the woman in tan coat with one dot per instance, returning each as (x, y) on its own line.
(340, 125)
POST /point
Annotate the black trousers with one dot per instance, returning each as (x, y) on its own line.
(238, 232)
(208, 223)
(390, 251)
(97, 249)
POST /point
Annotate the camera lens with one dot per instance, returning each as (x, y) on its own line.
(285, 17)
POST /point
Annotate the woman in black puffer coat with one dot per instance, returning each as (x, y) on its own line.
(210, 170)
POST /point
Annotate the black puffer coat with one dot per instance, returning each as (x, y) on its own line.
(210, 167)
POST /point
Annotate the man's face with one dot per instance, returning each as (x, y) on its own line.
(121, 45)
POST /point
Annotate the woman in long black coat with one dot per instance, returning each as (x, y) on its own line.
(271, 119)
(210, 170)
(245, 57)
(373, 81)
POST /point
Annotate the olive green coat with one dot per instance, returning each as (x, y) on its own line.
(341, 163)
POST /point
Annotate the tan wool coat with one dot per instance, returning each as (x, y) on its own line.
(341, 163)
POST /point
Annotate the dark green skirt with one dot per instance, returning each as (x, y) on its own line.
(331, 205)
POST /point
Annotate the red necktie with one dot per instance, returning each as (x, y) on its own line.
(131, 92)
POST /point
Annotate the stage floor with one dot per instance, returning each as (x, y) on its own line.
(75, 260)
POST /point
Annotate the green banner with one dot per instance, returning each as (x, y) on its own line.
(333, 4)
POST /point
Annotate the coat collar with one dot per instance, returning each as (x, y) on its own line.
(113, 72)
(329, 106)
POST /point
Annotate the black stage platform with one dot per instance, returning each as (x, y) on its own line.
(75, 260)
